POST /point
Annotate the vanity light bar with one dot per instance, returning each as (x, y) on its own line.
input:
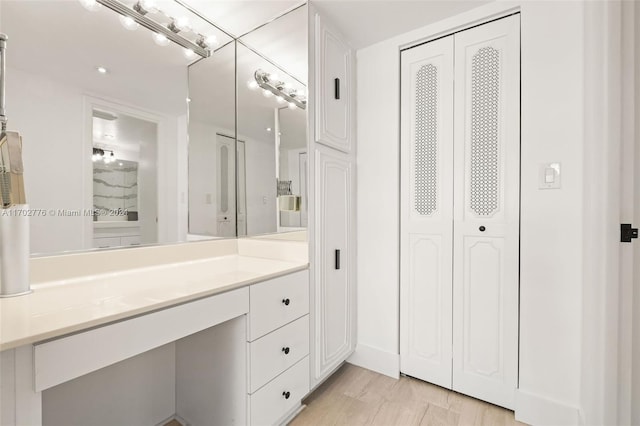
(278, 89)
(152, 25)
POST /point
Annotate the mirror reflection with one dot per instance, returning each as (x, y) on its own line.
(271, 103)
(103, 120)
(247, 163)
(130, 138)
(212, 147)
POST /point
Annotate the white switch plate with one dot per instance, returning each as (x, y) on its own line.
(549, 176)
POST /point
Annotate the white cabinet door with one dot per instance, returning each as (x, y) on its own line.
(334, 301)
(333, 88)
(427, 212)
(486, 215)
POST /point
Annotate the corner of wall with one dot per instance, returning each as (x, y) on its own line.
(536, 410)
(377, 360)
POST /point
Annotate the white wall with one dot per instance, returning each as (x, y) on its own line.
(50, 116)
(203, 178)
(261, 185)
(551, 227)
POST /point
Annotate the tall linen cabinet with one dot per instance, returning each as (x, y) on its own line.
(332, 212)
(460, 185)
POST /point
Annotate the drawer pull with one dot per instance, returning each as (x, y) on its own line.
(286, 302)
(286, 395)
(336, 88)
(286, 351)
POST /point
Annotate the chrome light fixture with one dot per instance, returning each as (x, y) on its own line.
(279, 88)
(101, 154)
(202, 44)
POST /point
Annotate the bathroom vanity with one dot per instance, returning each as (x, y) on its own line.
(233, 328)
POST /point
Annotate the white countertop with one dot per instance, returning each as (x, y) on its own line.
(62, 307)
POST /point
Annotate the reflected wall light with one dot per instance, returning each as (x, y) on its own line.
(272, 84)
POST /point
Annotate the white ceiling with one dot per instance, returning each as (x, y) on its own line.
(366, 22)
(238, 17)
(124, 133)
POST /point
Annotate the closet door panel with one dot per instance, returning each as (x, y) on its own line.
(427, 211)
(486, 224)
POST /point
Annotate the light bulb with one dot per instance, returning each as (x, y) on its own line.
(280, 99)
(149, 5)
(266, 93)
(160, 39)
(292, 105)
(212, 41)
(189, 54)
(95, 157)
(102, 70)
(181, 23)
(252, 84)
(91, 5)
(129, 23)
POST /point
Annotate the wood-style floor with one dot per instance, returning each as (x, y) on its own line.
(355, 396)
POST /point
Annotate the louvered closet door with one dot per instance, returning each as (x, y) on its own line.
(427, 211)
(486, 234)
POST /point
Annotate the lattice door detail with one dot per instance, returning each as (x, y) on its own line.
(426, 140)
(485, 149)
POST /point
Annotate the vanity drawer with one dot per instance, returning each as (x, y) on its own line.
(269, 404)
(277, 302)
(62, 359)
(274, 353)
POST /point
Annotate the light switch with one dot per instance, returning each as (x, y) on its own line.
(549, 176)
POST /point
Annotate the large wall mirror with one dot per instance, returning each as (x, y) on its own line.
(130, 138)
(248, 172)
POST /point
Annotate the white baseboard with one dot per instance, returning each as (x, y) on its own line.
(377, 360)
(536, 410)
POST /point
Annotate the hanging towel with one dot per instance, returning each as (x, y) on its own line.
(11, 170)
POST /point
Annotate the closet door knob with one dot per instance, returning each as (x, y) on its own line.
(285, 350)
(286, 395)
(482, 229)
(286, 302)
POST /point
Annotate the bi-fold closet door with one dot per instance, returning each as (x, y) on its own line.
(460, 149)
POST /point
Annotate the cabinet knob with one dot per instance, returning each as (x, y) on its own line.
(286, 395)
(286, 350)
(482, 228)
(286, 302)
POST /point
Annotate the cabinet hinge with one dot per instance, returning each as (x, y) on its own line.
(627, 233)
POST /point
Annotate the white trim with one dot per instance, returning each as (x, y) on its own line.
(377, 360)
(536, 410)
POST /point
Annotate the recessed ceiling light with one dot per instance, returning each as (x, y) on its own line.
(102, 70)
(268, 129)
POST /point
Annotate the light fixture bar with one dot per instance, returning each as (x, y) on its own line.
(152, 25)
(262, 78)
